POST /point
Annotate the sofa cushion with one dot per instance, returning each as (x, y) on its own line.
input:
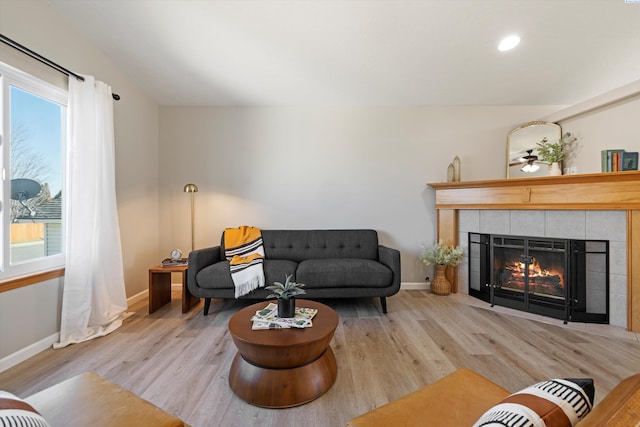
(16, 412)
(217, 276)
(551, 403)
(300, 245)
(336, 273)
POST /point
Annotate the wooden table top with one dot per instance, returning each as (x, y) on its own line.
(283, 348)
(324, 323)
(172, 268)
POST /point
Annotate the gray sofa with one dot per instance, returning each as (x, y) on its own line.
(331, 264)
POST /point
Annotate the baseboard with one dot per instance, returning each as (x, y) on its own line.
(415, 286)
(145, 294)
(27, 352)
(138, 297)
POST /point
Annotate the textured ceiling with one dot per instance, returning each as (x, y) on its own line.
(365, 52)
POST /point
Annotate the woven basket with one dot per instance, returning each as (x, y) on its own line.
(440, 285)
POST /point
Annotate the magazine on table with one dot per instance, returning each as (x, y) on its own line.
(267, 318)
(173, 262)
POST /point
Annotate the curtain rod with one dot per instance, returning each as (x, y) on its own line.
(37, 56)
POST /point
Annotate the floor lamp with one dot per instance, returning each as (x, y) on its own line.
(191, 188)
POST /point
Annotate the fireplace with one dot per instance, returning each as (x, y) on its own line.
(562, 278)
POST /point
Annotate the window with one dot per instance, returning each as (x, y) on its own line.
(32, 137)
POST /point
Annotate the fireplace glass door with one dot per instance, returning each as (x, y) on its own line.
(530, 274)
(562, 278)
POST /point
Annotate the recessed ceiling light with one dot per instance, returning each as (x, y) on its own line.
(508, 43)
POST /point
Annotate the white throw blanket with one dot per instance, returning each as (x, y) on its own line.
(245, 252)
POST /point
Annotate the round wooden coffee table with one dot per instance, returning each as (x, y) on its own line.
(280, 368)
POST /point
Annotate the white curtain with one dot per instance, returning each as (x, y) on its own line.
(94, 299)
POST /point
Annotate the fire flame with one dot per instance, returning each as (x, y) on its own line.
(517, 269)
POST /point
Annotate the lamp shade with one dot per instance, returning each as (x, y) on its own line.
(190, 188)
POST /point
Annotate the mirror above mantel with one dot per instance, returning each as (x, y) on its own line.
(522, 153)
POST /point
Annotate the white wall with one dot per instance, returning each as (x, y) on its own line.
(606, 121)
(29, 320)
(324, 168)
(613, 126)
(38, 26)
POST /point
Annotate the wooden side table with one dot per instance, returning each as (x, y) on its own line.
(160, 288)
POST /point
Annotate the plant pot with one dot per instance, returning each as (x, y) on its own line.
(287, 307)
(555, 169)
(440, 285)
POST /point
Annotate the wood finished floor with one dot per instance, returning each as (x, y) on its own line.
(181, 362)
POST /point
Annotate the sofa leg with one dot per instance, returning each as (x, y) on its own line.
(383, 301)
(207, 303)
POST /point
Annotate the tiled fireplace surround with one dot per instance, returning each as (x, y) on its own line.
(570, 224)
(589, 206)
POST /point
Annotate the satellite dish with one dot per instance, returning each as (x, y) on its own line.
(24, 189)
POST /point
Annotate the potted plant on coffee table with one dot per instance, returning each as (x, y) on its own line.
(286, 294)
(441, 256)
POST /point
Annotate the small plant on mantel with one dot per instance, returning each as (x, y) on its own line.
(555, 152)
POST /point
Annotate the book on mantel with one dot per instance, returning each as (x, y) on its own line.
(174, 262)
(619, 160)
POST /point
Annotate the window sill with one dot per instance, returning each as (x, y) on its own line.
(30, 280)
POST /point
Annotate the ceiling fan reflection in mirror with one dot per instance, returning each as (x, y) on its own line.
(522, 142)
(529, 162)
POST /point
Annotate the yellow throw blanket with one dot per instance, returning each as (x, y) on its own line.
(245, 252)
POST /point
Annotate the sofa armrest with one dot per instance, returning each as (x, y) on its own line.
(199, 259)
(391, 258)
(619, 408)
(458, 399)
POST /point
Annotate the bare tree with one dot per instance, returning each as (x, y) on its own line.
(27, 163)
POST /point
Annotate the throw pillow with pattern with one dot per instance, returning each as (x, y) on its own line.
(551, 403)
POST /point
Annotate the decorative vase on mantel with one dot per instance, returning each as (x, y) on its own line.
(440, 285)
(456, 168)
(286, 307)
(555, 169)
